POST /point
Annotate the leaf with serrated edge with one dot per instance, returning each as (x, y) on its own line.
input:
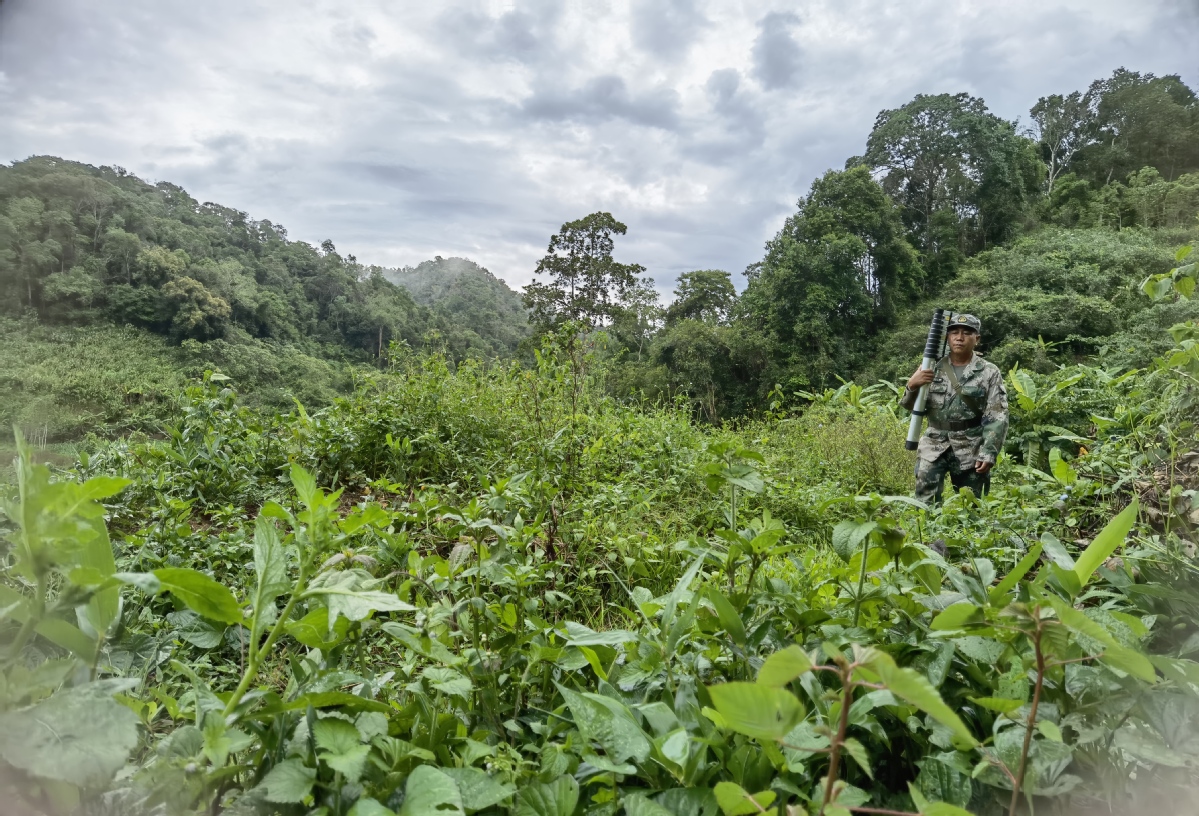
(557, 798)
(478, 789)
(78, 735)
(288, 782)
(430, 792)
(915, 688)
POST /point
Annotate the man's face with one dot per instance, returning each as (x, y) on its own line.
(962, 340)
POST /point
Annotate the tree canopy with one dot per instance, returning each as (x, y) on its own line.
(584, 283)
(961, 175)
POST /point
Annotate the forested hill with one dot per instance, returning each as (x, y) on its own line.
(484, 314)
(113, 291)
(81, 244)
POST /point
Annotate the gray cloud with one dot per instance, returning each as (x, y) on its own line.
(776, 54)
(477, 127)
(666, 28)
(602, 98)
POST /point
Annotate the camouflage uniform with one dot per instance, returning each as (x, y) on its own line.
(957, 436)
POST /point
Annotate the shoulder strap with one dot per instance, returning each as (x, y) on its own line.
(971, 403)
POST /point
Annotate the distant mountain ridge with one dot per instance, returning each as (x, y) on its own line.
(483, 313)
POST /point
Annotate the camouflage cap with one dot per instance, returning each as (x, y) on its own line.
(968, 321)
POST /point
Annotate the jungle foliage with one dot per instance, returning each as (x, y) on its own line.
(439, 584)
(497, 589)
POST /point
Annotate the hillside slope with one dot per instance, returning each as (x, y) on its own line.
(480, 314)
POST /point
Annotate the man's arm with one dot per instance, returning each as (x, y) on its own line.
(922, 376)
(995, 420)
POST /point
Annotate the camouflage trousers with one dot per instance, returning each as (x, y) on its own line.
(930, 478)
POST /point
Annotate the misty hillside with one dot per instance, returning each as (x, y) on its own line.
(479, 303)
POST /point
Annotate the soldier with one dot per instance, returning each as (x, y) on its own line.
(967, 415)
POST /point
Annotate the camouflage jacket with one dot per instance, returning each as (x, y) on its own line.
(981, 381)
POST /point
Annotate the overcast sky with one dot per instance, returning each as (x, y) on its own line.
(403, 130)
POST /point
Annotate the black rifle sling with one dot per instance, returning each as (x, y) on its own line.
(971, 402)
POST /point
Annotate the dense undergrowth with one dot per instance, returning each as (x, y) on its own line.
(496, 589)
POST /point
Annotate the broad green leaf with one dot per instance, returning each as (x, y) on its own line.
(270, 564)
(1129, 661)
(448, 681)
(784, 666)
(1057, 552)
(734, 800)
(608, 722)
(957, 616)
(579, 635)
(366, 806)
(944, 809)
(755, 710)
(1024, 384)
(915, 688)
(1002, 705)
(335, 734)
(1010, 580)
(103, 487)
(196, 629)
(1184, 285)
(605, 764)
(726, 613)
(61, 633)
(1104, 544)
(557, 798)
(1148, 746)
(304, 484)
(288, 782)
(638, 804)
(340, 747)
(348, 593)
(197, 591)
(848, 536)
(96, 554)
(858, 751)
(689, 801)
(478, 789)
(220, 739)
(1114, 654)
(1060, 468)
(942, 783)
(313, 630)
(430, 792)
(79, 735)
(1050, 730)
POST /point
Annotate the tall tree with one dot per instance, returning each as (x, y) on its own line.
(961, 175)
(833, 277)
(705, 294)
(1143, 121)
(585, 283)
(1062, 126)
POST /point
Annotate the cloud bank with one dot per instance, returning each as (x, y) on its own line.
(407, 130)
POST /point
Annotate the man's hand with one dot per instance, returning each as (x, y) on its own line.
(923, 376)
(981, 467)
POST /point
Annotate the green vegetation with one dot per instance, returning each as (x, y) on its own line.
(86, 250)
(451, 578)
(479, 315)
(495, 588)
